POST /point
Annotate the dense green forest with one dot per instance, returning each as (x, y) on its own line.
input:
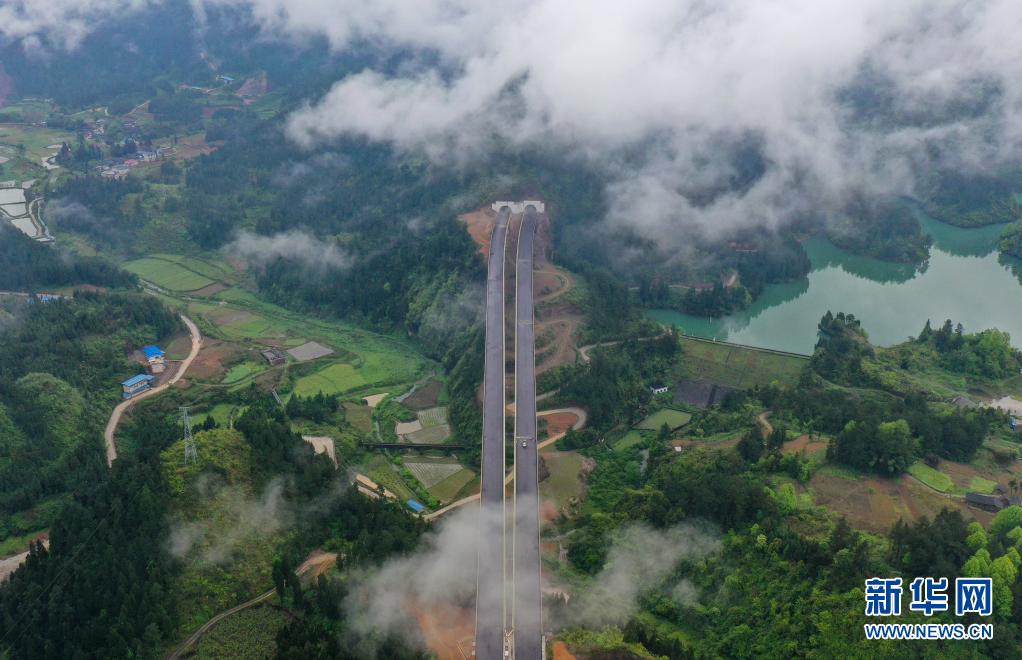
(888, 230)
(974, 200)
(26, 265)
(109, 583)
(61, 364)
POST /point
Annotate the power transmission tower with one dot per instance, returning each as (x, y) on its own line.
(191, 453)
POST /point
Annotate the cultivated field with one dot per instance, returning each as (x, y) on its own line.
(333, 379)
(452, 486)
(735, 366)
(431, 471)
(432, 435)
(167, 274)
(433, 417)
(359, 416)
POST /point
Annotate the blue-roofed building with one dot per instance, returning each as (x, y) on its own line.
(136, 385)
(415, 506)
(156, 358)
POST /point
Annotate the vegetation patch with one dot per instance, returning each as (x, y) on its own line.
(673, 418)
(250, 633)
(432, 471)
(737, 366)
(453, 485)
(935, 479)
(167, 274)
(432, 436)
(359, 416)
(433, 417)
(333, 379)
(629, 439)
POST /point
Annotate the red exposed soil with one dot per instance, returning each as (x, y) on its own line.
(561, 651)
(211, 359)
(802, 443)
(480, 226)
(448, 630)
(557, 423)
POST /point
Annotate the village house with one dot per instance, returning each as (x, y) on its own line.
(274, 356)
(156, 359)
(136, 385)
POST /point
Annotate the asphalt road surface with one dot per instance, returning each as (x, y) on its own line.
(491, 562)
(527, 612)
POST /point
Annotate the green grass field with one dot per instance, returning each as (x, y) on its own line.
(629, 439)
(563, 482)
(167, 274)
(211, 267)
(673, 418)
(240, 372)
(933, 478)
(333, 379)
(981, 485)
(736, 366)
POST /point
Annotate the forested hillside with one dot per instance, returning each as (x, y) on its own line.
(61, 364)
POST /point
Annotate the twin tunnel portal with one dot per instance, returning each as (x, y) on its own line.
(509, 599)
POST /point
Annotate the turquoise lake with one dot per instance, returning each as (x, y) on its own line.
(964, 280)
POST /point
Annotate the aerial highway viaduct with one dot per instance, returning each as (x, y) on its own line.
(527, 604)
(491, 563)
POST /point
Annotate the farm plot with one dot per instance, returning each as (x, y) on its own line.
(309, 351)
(334, 379)
(673, 418)
(432, 471)
(359, 416)
(167, 274)
(433, 417)
(453, 485)
(434, 435)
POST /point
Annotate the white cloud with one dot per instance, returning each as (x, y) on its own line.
(662, 94)
(292, 244)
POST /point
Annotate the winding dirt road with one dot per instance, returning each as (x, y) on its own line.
(115, 416)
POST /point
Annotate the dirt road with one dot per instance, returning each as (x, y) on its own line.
(115, 416)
